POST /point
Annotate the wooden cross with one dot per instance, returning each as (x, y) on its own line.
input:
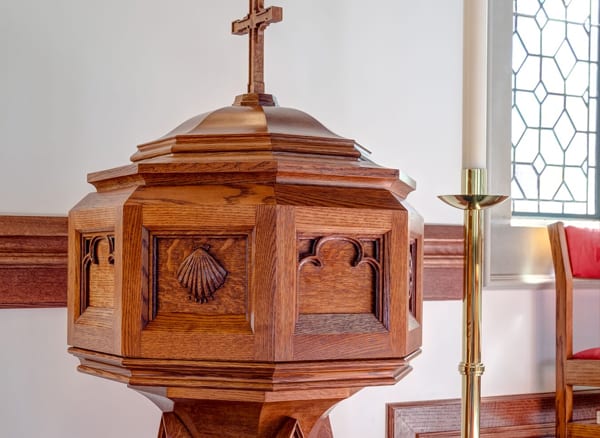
(255, 24)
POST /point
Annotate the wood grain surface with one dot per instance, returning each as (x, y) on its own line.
(570, 371)
(510, 416)
(33, 262)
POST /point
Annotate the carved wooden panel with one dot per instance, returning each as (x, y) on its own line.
(412, 277)
(291, 429)
(200, 274)
(147, 304)
(97, 271)
(340, 275)
(509, 416)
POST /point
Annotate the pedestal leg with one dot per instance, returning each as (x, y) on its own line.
(224, 419)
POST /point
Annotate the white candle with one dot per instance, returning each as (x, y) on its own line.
(474, 138)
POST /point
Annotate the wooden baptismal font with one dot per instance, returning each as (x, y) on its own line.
(247, 271)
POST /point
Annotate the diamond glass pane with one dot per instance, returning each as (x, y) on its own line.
(554, 98)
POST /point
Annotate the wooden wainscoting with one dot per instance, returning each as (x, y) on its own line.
(33, 262)
(512, 416)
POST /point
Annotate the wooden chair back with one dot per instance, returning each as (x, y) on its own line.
(575, 254)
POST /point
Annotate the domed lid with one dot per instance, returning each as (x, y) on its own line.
(250, 128)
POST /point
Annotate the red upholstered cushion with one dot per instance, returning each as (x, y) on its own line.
(584, 251)
(590, 353)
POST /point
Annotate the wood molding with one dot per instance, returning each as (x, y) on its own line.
(511, 416)
(33, 262)
(443, 260)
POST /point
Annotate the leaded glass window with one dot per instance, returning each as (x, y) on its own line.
(554, 108)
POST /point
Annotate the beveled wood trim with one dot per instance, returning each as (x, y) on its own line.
(33, 261)
(510, 416)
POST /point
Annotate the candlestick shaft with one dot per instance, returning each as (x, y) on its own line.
(471, 367)
(473, 201)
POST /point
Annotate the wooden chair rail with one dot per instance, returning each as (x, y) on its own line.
(33, 262)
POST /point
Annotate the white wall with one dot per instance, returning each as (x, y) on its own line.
(82, 83)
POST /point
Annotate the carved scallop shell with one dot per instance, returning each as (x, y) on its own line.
(201, 274)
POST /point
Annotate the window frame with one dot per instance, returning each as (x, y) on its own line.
(517, 253)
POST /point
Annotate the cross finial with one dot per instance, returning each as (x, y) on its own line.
(255, 24)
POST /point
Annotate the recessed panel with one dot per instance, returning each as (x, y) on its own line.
(97, 271)
(339, 274)
(200, 274)
(340, 284)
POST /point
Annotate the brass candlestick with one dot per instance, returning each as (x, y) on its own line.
(473, 202)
